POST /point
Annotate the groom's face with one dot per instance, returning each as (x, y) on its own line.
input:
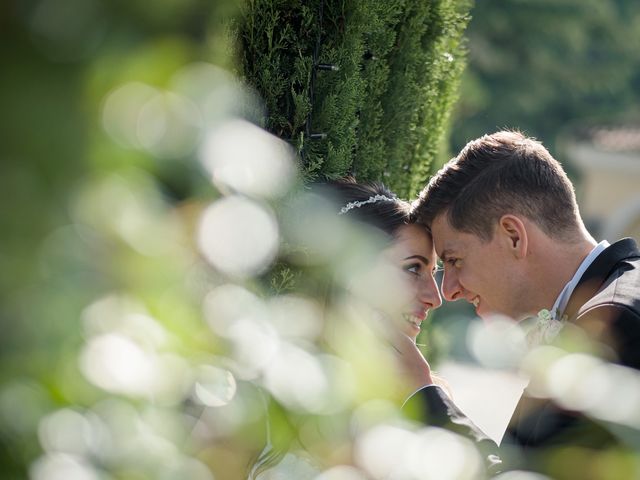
(481, 272)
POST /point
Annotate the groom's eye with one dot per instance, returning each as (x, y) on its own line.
(455, 262)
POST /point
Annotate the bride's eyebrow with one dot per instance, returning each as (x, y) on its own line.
(424, 260)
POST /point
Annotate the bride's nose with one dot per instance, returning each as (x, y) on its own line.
(428, 294)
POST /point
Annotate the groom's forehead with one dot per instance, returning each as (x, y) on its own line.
(447, 243)
(446, 238)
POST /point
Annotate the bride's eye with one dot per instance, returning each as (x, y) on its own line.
(413, 268)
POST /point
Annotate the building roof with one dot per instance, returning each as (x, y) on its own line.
(624, 138)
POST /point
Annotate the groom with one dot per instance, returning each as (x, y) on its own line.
(506, 226)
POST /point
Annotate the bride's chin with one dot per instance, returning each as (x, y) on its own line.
(411, 331)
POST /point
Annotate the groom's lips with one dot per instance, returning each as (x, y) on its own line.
(480, 307)
(475, 301)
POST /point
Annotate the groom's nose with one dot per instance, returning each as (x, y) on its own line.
(451, 288)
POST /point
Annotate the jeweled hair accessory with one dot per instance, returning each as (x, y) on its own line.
(374, 199)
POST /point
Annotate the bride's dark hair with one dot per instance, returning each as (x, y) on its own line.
(372, 204)
(363, 202)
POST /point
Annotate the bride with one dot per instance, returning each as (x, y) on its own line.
(409, 248)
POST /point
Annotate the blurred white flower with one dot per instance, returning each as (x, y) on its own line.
(499, 343)
(214, 386)
(60, 466)
(246, 159)
(238, 236)
(117, 364)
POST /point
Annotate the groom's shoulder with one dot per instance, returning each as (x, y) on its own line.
(621, 284)
(612, 315)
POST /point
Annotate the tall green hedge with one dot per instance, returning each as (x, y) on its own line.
(360, 87)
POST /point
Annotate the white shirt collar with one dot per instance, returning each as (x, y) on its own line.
(563, 299)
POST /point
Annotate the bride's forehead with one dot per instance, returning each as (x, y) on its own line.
(414, 233)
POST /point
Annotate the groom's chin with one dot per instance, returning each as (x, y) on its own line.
(483, 312)
(485, 316)
(489, 315)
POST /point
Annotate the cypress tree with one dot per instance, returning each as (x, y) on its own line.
(361, 87)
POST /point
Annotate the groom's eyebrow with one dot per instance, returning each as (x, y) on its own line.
(424, 260)
(445, 253)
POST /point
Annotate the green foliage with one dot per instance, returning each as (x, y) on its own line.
(426, 69)
(544, 66)
(128, 350)
(282, 279)
(384, 109)
(59, 250)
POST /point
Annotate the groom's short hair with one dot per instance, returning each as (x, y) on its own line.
(505, 172)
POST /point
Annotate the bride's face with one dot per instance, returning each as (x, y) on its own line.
(413, 252)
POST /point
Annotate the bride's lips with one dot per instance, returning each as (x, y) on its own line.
(415, 319)
(421, 314)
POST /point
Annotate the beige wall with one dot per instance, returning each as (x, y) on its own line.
(609, 190)
(603, 192)
(633, 230)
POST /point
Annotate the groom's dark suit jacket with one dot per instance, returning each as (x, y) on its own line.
(606, 304)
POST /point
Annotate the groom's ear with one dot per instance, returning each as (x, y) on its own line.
(514, 232)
